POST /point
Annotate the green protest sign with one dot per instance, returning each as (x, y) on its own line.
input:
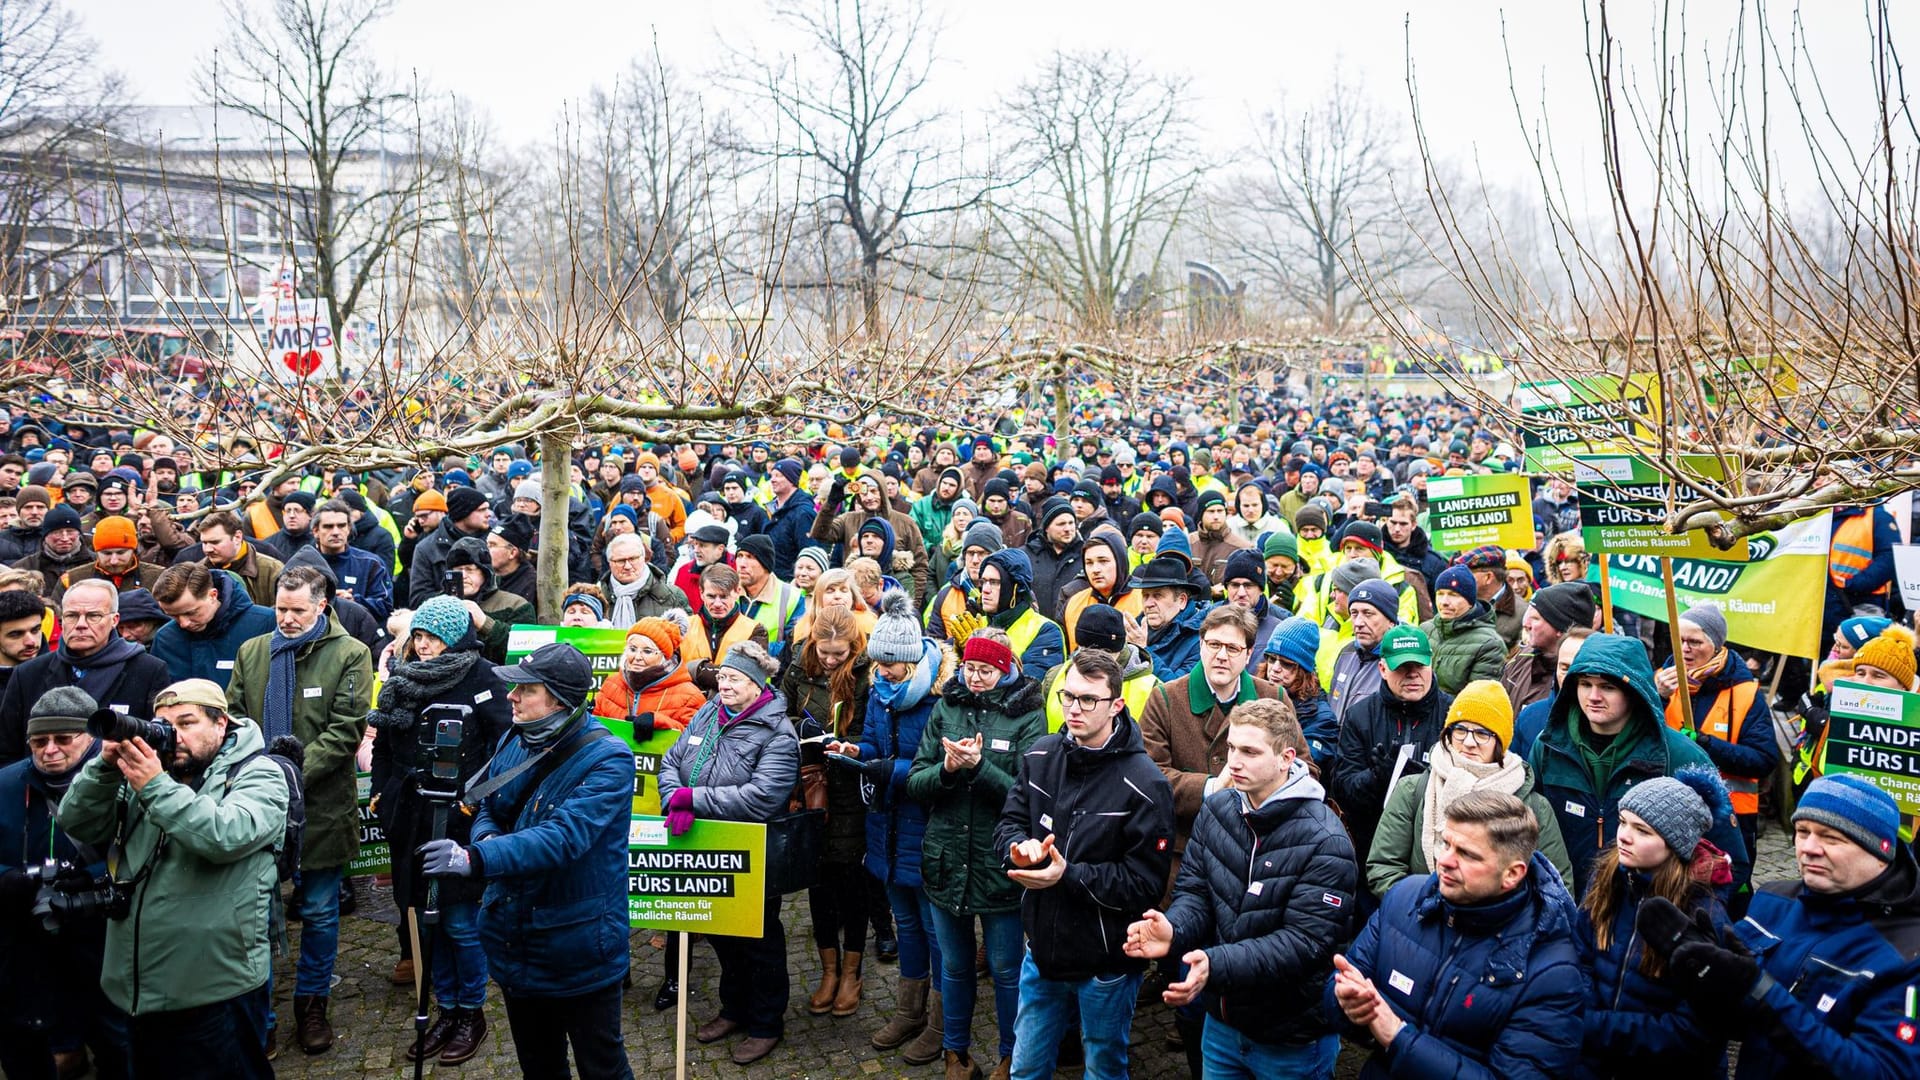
(710, 879)
(1773, 599)
(1875, 733)
(646, 762)
(1558, 418)
(376, 856)
(1623, 507)
(1470, 511)
(601, 647)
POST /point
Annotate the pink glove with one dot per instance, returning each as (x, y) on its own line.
(680, 811)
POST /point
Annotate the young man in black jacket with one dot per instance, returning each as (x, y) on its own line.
(1088, 832)
(1264, 895)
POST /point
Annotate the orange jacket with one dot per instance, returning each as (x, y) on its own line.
(672, 701)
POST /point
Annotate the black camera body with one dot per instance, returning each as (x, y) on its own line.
(110, 726)
(68, 893)
(452, 583)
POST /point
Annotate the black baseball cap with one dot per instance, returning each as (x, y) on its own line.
(561, 668)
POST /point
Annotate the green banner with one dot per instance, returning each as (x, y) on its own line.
(1623, 507)
(1558, 418)
(1875, 733)
(646, 762)
(1470, 511)
(376, 856)
(711, 879)
(601, 647)
(1773, 600)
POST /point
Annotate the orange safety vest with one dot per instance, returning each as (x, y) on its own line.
(260, 519)
(694, 645)
(1723, 720)
(1852, 550)
(1128, 604)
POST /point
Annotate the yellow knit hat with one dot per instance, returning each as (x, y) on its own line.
(1484, 702)
(1891, 652)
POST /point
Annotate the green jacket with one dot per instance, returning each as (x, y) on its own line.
(505, 610)
(330, 704)
(197, 930)
(1397, 852)
(1466, 648)
(959, 863)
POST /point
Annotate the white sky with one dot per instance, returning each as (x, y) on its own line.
(522, 63)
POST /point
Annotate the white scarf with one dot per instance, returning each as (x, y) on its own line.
(1449, 777)
(624, 595)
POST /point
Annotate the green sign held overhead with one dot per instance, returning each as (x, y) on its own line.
(710, 879)
(1875, 733)
(1564, 417)
(1623, 507)
(1471, 511)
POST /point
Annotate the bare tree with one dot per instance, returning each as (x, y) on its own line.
(304, 78)
(852, 112)
(1319, 205)
(1107, 152)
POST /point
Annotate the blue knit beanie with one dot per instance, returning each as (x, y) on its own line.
(1857, 808)
(1295, 639)
(443, 617)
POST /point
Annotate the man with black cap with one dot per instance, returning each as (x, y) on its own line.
(706, 546)
(1089, 507)
(764, 597)
(1173, 603)
(359, 575)
(495, 612)
(511, 544)
(296, 525)
(62, 548)
(468, 515)
(790, 515)
(369, 532)
(50, 975)
(1530, 674)
(997, 506)
(1213, 541)
(550, 841)
(1054, 551)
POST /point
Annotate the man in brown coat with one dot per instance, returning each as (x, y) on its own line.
(870, 496)
(1213, 542)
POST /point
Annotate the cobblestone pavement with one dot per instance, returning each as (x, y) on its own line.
(374, 1018)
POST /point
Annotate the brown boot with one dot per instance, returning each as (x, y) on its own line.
(821, 1003)
(402, 972)
(311, 1026)
(1004, 1070)
(925, 1047)
(847, 1001)
(469, 1031)
(437, 1035)
(961, 1066)
(909, 1015)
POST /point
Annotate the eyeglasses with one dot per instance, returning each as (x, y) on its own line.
(1471, 736)
(979, 671)
(85, 616)
(1226, 647)
(1080, 702)
(627, 561)
(41, 742)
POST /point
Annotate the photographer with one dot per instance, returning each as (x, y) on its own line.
(445, 669)
(494, 610)
(197, 826)
(50, 997)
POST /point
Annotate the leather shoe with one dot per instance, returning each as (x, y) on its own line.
(402, 972)
(753, 1049)
(715, 1029)
(311, 1027)
(668, 996)
(469, 1031)
(437, 1035)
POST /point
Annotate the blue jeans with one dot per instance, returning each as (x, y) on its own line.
(459, 963)
(1230, 1055)
(913, 927)
(1046, 1008)
(319, 899)
(1005, 947)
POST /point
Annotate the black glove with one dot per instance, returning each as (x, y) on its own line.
(879, 770)
(837, 494)
(1716, 980)
(642, 726)
(1665, 927)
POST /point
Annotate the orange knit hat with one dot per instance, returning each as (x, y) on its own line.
(664, 635)
(115, 533)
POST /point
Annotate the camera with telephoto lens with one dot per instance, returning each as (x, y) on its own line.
(67, 893)
(110, 726)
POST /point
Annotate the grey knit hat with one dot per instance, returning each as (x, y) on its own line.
(61, 711)
(983, 534)
(895, 638)
(1711, 620)
(1350, 574)
(527, 489)
(1672, 808)
(750, 659)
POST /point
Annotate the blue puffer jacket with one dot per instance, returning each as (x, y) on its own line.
(210, 653)
(1320, 728)
(790, 524)
(1756, 755)
(1490, 991)
(553, 920)
(1638, 1026)
(1175, 647)
(896, 717)
(1840, 978)
(1590, 815)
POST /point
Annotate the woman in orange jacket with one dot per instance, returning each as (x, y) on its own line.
(667, 698)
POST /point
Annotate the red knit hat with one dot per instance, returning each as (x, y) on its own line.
(985, 650)
(115, 533)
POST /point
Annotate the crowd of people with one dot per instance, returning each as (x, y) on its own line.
(1181, 713)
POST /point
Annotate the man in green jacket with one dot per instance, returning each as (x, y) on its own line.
(309, 679)
(189, 961)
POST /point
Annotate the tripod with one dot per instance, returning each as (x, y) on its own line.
(439, 786)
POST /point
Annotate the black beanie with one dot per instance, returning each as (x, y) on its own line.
(462, 501)
(1565, 605)
(1101, 626)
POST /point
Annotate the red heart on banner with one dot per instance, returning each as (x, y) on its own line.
(301, 363)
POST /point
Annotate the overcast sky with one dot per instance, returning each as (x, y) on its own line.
(523, 63)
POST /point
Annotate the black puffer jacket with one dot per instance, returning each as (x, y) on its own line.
(1110, 811)
(1269, 950)
(1371, 738)
(812, 696)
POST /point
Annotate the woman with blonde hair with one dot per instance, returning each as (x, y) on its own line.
(1566, 558)
(835, 589)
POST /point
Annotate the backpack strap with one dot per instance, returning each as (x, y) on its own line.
(543, 764)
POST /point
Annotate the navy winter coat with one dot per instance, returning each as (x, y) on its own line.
(896, 824)
(1637, 1026)
(553, 920)
(1268, 894)
(1175, 647)
(789, 524)
(363, 575)
(210, 653)
(1490, 991)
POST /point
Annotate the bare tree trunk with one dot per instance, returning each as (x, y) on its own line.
(1062, 405)
(550, 572)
